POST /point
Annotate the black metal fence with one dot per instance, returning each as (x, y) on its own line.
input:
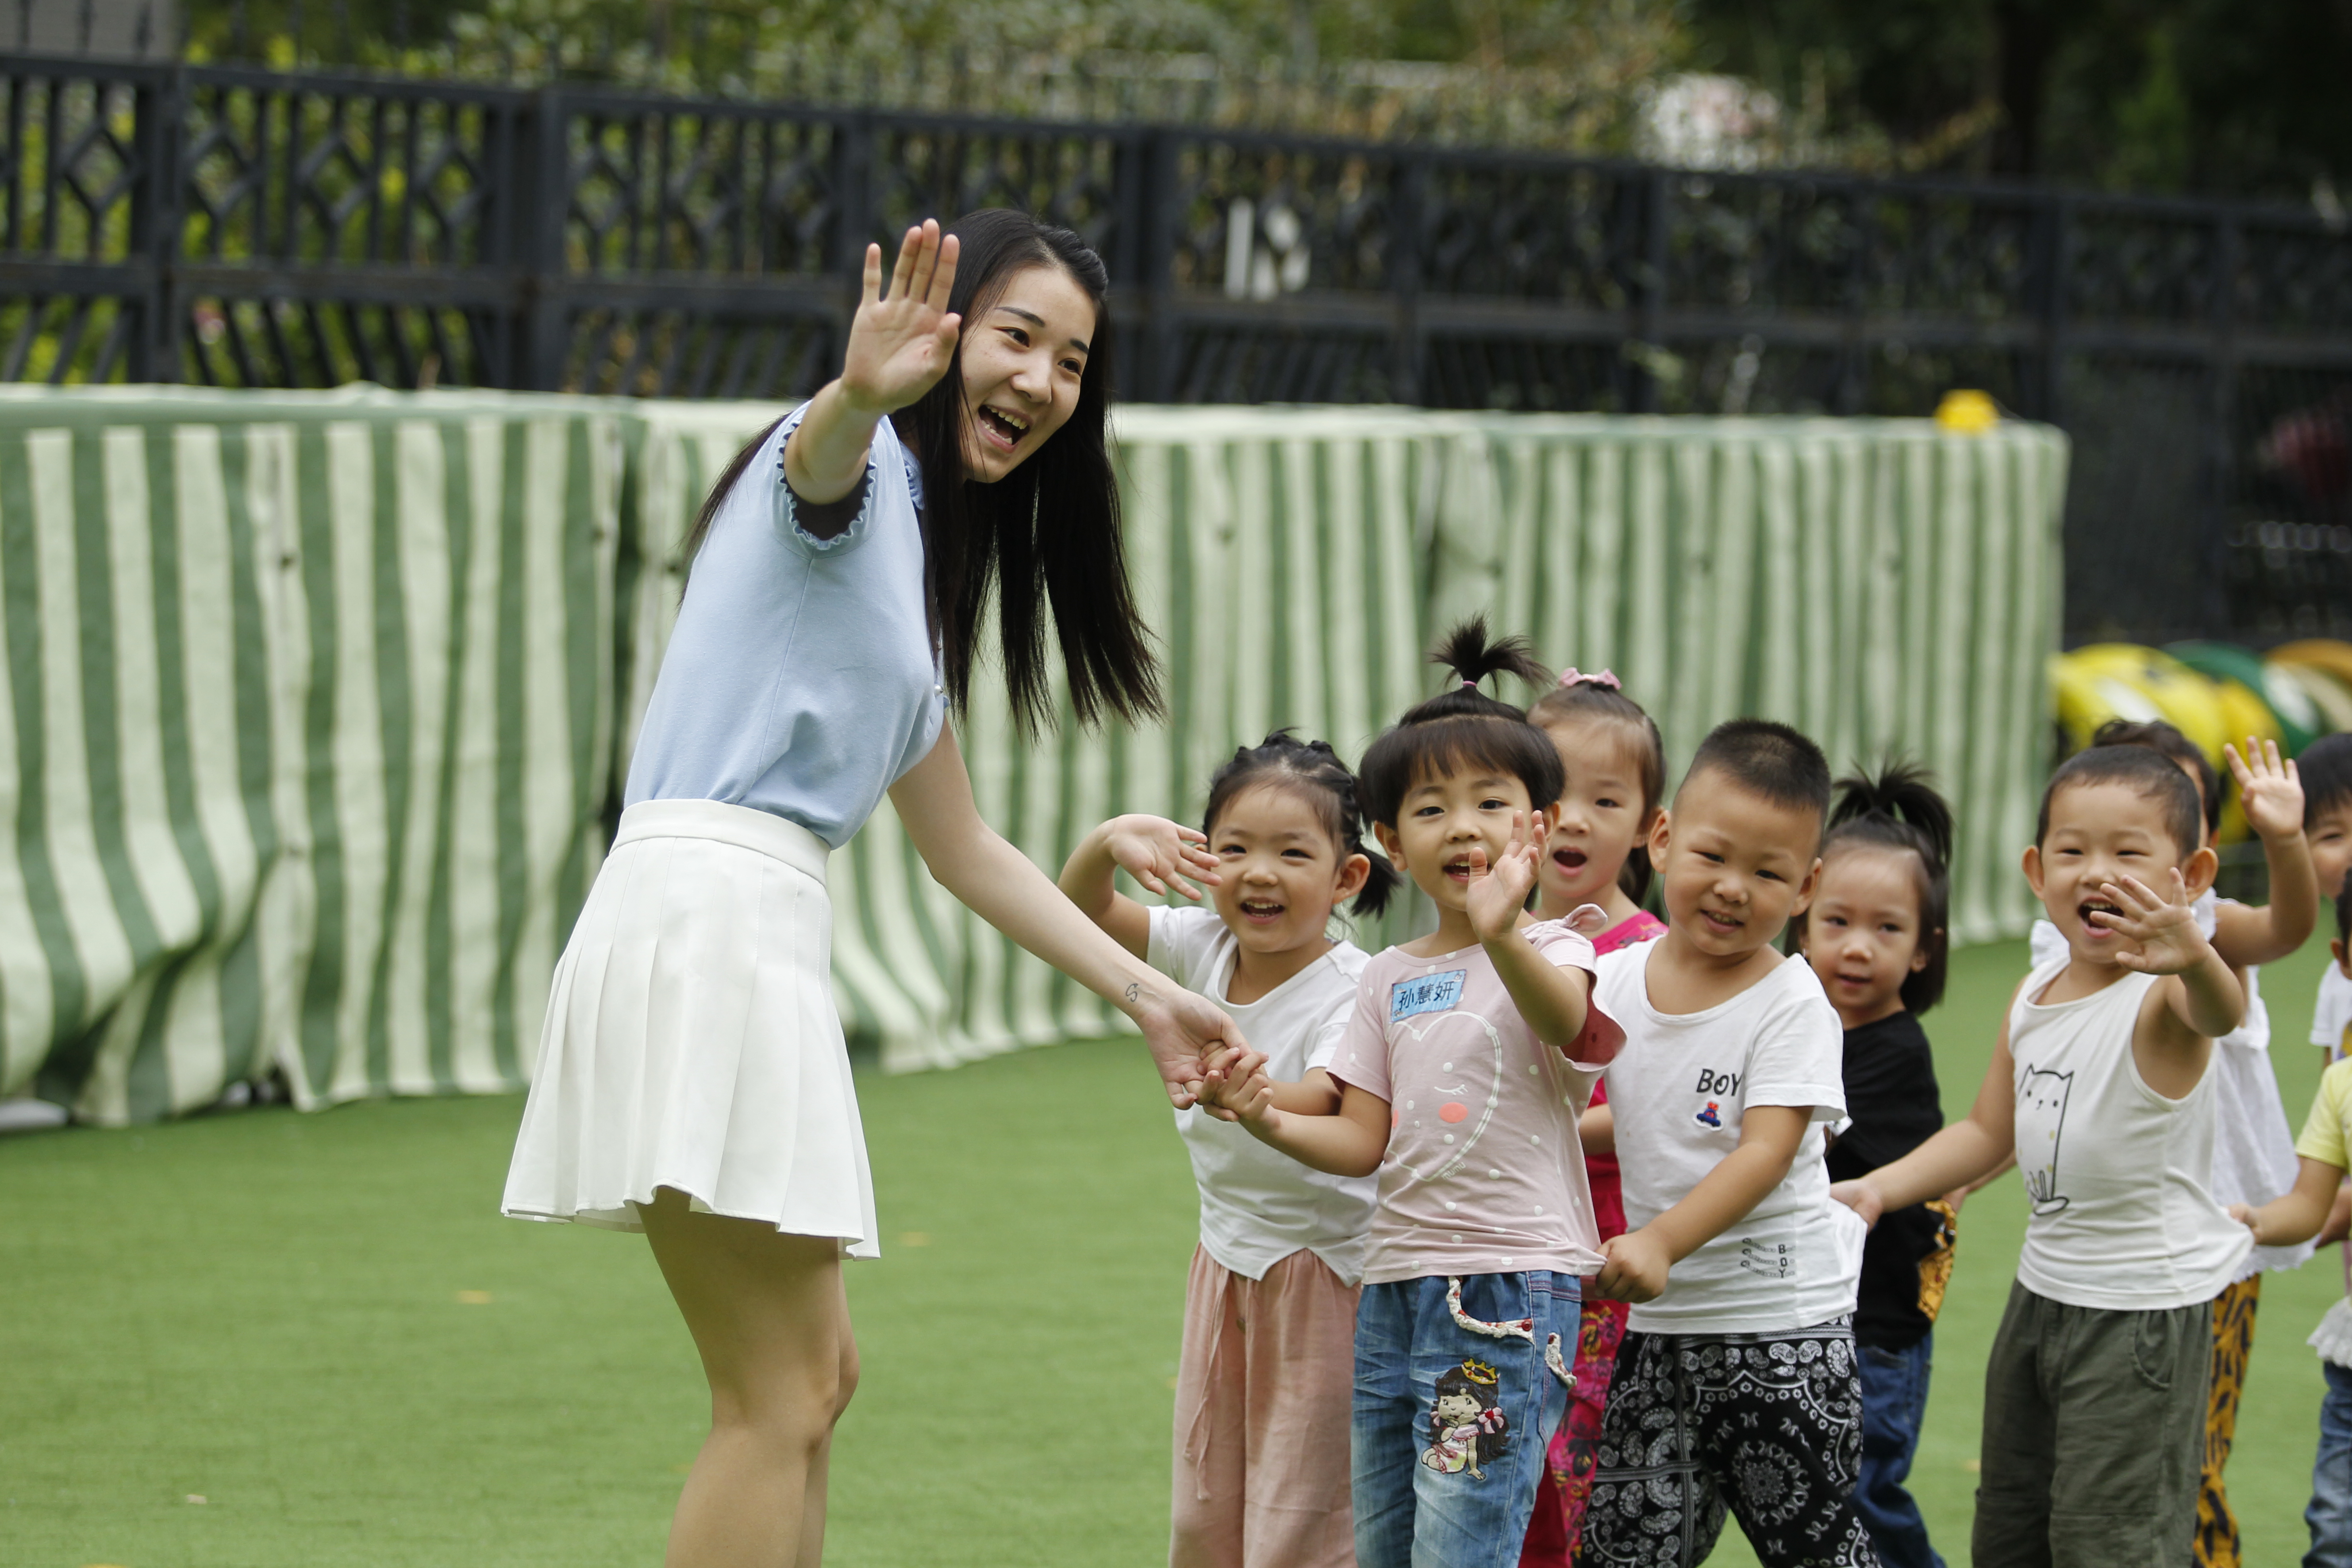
(237, 227)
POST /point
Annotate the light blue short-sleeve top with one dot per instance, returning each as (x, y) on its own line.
(801, 678)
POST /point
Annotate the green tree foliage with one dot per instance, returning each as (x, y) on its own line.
(2222, 96)
(1561, 74)
(2239, 96)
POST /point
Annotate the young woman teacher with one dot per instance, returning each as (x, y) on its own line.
(692, 1080)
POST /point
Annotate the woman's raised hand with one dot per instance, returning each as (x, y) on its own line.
(902, 343)
(1160, 855)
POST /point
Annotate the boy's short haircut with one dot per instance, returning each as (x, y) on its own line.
(1461, 727)
(1767, 760)
(2158, 736)
(2325, 766)
(2148, 772)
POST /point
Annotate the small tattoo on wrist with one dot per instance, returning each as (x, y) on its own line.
(1134, 992)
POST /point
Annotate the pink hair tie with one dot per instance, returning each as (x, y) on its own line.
(1572, 676)
(1469, 683)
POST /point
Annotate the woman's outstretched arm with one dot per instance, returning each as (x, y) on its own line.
(1005, 888)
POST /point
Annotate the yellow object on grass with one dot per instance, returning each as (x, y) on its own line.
(1967, 412)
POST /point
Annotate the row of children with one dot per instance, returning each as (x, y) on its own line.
(1519, 1242)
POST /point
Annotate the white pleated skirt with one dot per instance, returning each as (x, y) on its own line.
(692, 1040)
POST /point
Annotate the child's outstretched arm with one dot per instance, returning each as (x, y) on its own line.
(1970, 1150)
(1348, 1142)
(1156, 852)
(1551, 999)
(2298, 1215)
(1637, 1262)
(2272, 792)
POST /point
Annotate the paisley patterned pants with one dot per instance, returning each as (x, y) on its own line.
(1765, 1425)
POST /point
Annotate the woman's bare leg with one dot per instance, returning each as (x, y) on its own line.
(768, 1316)
(821, 1466)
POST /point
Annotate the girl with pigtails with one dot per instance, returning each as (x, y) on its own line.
(692, 1080)
(1262, 1384)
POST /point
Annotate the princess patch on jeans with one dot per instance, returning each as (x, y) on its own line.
(1466, 1427)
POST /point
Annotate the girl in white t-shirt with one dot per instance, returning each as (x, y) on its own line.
(1263, 1383)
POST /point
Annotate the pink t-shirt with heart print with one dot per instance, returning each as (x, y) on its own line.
(1484, 1173)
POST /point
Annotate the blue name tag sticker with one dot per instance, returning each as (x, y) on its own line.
(1430, 994)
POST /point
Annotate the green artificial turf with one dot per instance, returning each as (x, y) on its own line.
(319, 1326)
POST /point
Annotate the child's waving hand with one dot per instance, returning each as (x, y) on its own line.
(1496, 899)
(901, 342)
(2270, 790)
(1161, 854)
(2165, 929)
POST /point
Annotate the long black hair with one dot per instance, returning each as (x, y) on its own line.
(1462, 726)
(1048, 536)
(1314, 771)
(1900, 809)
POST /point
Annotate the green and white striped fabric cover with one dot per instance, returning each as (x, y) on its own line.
(313, 704)
(305, 733)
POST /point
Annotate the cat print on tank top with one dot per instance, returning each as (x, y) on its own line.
(2042, 1098)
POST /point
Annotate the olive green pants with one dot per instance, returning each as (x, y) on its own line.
(2094, 1430)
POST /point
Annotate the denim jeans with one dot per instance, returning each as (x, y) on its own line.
(1460, 1384)
(1894, 1399)
(2330, 1514)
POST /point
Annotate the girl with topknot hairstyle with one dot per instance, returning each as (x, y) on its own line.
(1464, 1064)
(1462, 727)
(1876, 936)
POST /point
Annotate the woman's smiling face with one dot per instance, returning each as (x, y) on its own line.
(1023, 358)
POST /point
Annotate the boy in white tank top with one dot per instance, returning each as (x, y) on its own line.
(2095, 1391)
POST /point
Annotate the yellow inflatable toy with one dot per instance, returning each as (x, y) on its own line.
(2125, 680)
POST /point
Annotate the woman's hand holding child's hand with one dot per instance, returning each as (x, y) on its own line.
(1238, 1089)
(1222, 1070)
(2270, 790)
(1181, 1030)
(2164, 928)
(1498, 893)
(1160, 854)
(1634, 1267)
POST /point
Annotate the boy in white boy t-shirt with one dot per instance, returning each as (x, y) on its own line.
(1735, 1382)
